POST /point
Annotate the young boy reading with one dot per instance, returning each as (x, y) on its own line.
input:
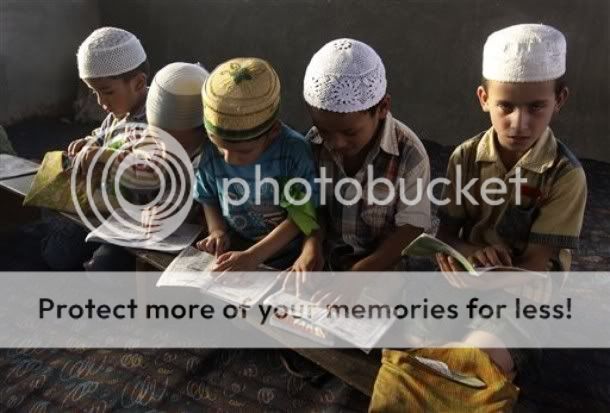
(523, 88)
(355, 137)
(113, 64)
(174, 105)
(250, 155)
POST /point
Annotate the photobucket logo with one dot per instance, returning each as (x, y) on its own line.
(379, 191)
(134, 190)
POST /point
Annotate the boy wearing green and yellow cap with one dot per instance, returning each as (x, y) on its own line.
(242, 175)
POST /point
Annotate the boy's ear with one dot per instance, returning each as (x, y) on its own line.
(385, 105)
(139, 81)
(561, 97)
(482, 95)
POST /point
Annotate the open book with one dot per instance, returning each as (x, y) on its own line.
(427, 246)
(303, 328)
(113, 231)
(538, 288)
(13, 166)
(325, 325)
(191, 268)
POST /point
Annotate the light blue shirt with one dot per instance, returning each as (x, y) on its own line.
(288, 156)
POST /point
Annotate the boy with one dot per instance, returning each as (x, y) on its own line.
(113, 64)
(174, 105)
(249, 143)
(523, 87)
(355, 136)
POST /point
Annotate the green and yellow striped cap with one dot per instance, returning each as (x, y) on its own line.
(241, 99)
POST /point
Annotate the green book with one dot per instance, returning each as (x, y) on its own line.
(426, 245)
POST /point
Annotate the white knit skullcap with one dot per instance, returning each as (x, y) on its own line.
(345, 75)
(109, 51)
(174, 97)
(525, 53)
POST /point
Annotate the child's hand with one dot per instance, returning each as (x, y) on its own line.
(236, 261)
(365, 265)
(86, 159)
(448, 264)
(216, 243)
(311, 259)
(76, 146)
(491, 256)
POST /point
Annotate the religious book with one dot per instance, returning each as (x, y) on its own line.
(192, 268)
(124, 230)
(428, 246)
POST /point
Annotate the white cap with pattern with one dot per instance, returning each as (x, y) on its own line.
(525, 53)
(174, 97)
(109, 51)
(345, 75)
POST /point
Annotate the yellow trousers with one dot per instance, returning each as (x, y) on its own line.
(465, 380)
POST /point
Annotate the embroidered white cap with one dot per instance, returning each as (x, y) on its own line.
(109, 51)
(174, 97)
(525, 53)
(345, 75)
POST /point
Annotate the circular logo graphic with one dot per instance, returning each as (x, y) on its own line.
(135, 189)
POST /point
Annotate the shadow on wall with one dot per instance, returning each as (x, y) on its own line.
(38, 43)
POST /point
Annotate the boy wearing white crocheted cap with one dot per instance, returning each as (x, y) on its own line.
(355, 136)
(523, 89)
(113, 64)
(537, 223)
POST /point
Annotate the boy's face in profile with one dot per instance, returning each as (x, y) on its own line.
(348, 134)
(244, 153)
(118, 96)
(520, 112)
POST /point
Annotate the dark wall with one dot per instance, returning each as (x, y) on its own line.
(38, 42)
(431, 48)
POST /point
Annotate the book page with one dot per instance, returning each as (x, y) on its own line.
(187, 270)
(363, 332)
(114, 230)
(242, 288)
(12, 166)
(296, 306)
(426, 246)
(191, 268)
(303, 328)
(499, 268)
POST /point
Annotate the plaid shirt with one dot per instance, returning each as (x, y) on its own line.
(554, 194)
(139, 183)
(111, 126)
(398, 156)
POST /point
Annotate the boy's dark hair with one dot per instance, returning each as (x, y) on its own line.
(373, 109)
(144, 68)
(560, 84)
